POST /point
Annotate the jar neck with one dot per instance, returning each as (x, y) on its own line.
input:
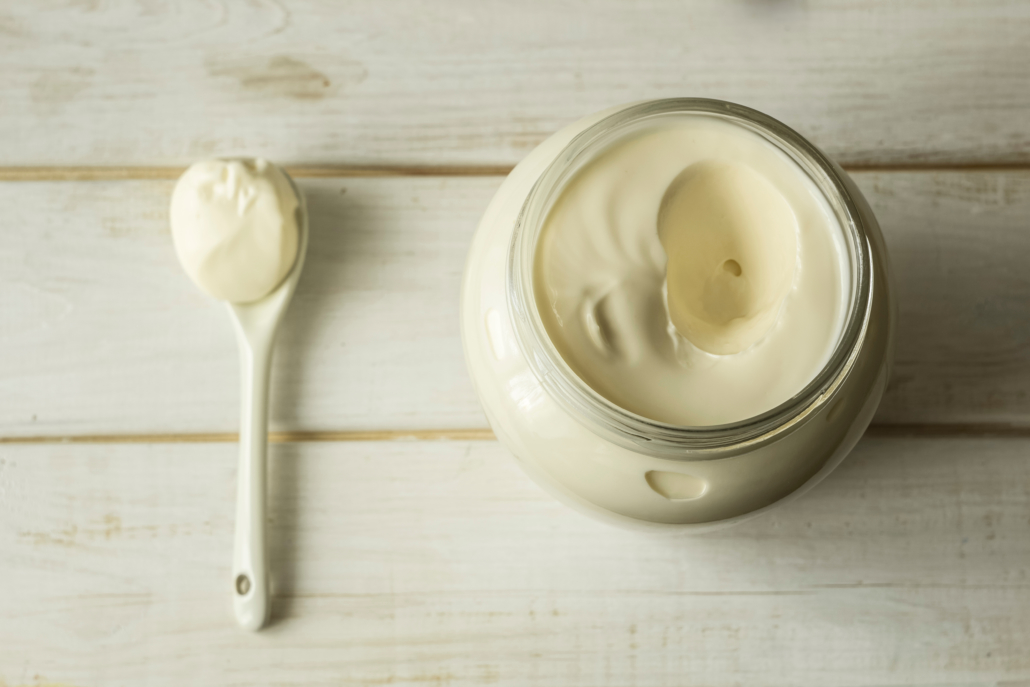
(617, 424)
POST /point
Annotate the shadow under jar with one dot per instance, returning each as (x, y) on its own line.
(620, 466)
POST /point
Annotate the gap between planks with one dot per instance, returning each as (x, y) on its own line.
(885, 430)
(298, 171)
(128, 173)
(273, 437)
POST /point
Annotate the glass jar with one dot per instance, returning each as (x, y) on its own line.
(625, 468)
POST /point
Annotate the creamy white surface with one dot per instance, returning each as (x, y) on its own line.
(600, 274)
(730, 241)
(234, 225)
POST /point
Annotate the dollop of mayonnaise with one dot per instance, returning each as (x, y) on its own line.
(731, 242)
(234, 225)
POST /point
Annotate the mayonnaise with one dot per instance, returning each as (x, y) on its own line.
(692, 274)
(730, 240)
(234, 225)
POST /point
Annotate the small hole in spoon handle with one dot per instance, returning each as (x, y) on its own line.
(242, 585)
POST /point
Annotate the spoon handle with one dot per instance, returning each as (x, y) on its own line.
(250, 555)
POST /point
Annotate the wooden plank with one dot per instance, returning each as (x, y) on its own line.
(103, 334)
(441, 563)
(958, 245)
(98, 314)
(468, 82)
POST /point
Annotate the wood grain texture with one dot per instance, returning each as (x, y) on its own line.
(441, 564)
(103, 333)
(471, 82)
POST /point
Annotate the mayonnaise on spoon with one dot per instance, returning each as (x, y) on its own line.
(240, 230)
(234, 226)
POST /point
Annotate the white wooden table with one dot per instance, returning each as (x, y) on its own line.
(408, 549)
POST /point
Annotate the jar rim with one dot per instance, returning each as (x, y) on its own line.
(636, 432)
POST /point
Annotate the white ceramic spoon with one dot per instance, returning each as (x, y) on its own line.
(256, 325)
